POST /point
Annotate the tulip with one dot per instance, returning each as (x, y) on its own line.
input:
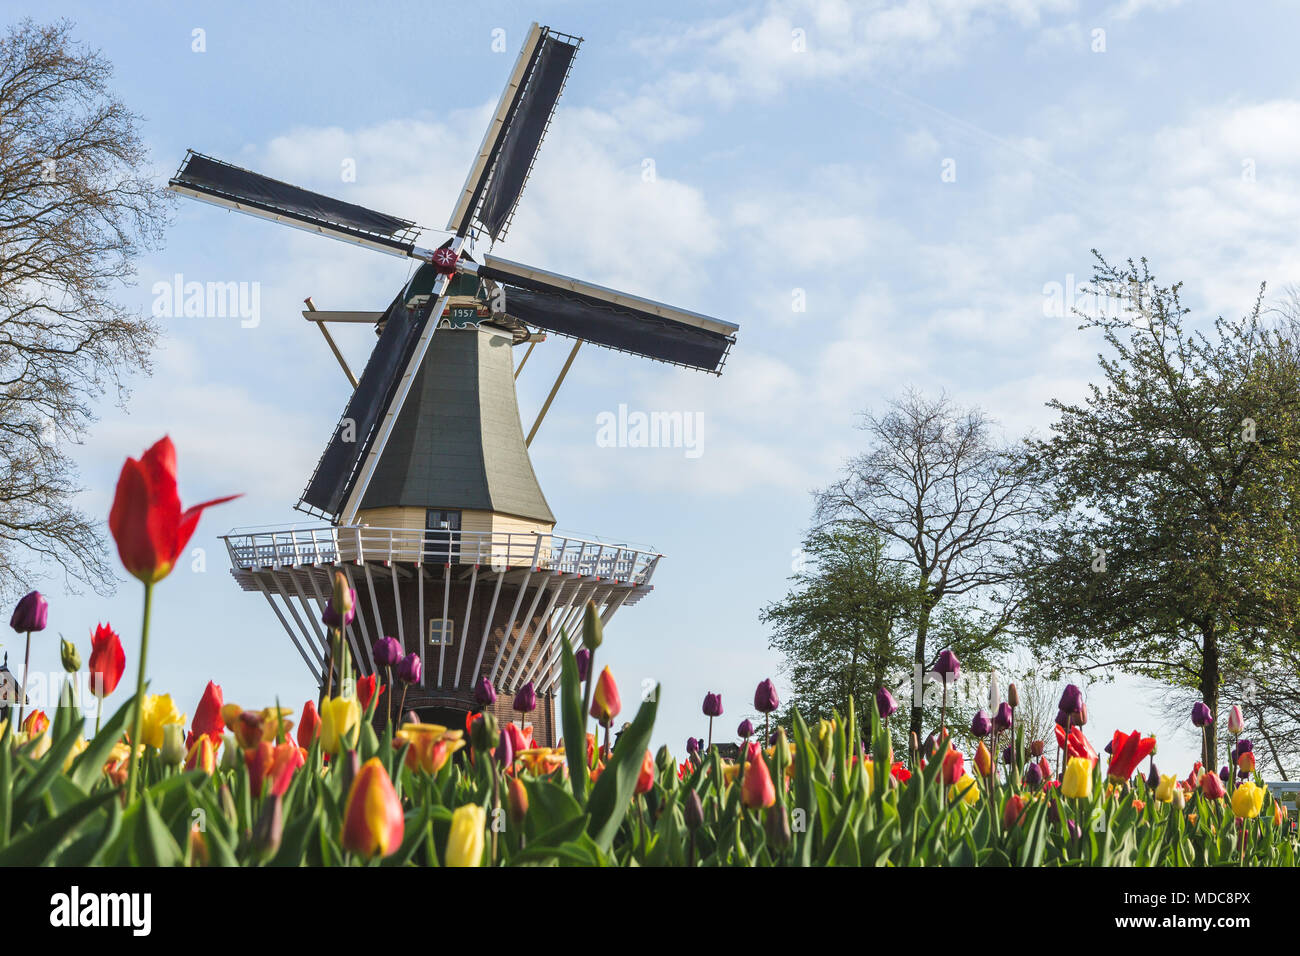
(1246, 760)
(756, 789)
(1071, 701)
(1045, 768)
(1033, 776)
(30, 614)
(1003, 718)
(1211, 785)
(35, 724)
(505, 750)
(593, 633)
(373, 824)
(1012, 810)
(230, 753)
(1153, 778)
(172, 751)
(107, 661)
(387, 652)
(258, 761)
(765, 698)
(693, 811)
(885, 703)
(947, 666)
(745, 730)
(605, 703)
(208, 721)
(157, 712)
(1075, 831)
(411, 669)
(954, 766)
(983, 760)
(248, 729)
(776, 824)
(1235, 722)
(202, 755)
(964, 789)
(1013, 696)
(465, 837)
(645, 780)
(341, 607)
(285, 760)
(368, 688)
(1166, 786)
(1127, 751)
(516, 800)
(693, 746)
(583, 660)
(712, 705)
(1179, 799)
(484, 693)
(1201, 715)
(69, 657)
(339, 717)
(269, 829)
(526, 699)
(309, 725)
(981, 725)
(1036, 748)
(1077, 780)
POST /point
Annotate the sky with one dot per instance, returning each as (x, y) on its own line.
(882, 195)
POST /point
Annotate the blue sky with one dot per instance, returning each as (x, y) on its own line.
(778, 173)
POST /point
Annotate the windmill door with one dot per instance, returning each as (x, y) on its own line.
(442, 535)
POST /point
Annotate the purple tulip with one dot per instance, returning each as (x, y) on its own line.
(30, 614)
(712, 705)
(526, 698)
(765, 699)
(693, 746)
(745, 730)
(387, 652)
(1153, 778)
(1003, 719)
(1007, 755)
(1076, 833)
(583, 660)
(981, 725)
(485, 695)
(1225, 772)
(330, 617)
(505, 750)
(885, 703)
(1201, 715)
(1107, 749)
(1033, 776)
(1064, 717)
(1243, 746)
(947, 666)
(1071, 701)
(773, 737)
(410, 669)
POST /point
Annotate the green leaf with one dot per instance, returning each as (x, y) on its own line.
(613, 791)
(573, 722)
(39, 845)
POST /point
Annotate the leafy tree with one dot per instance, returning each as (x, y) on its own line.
(77, 205)
(1172, 553)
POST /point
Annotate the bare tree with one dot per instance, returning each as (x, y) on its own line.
(949, 498)
(76, 208)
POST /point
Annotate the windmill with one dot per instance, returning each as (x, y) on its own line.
(425, 496)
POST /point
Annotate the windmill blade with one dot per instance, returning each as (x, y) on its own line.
(231, 187)
(509, 148)
(616, 320)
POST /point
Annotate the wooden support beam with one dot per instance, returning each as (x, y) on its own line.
(524, 360)
(333, 346)
(546, 405)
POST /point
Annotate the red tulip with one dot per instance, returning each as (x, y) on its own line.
(1076, 745)
(605, 703)
(373, 824)
(1015, 806)
(309, 725)
(1126, 752)
(646, 778)
(286, 758)
(367, 689)
(756, 790)
(954, 766)
(258, 760)
(107, 661)
(1211, 785)
(207, 717)
(146, 520)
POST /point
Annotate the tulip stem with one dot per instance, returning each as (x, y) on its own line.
(99, 712)
(134, 742)
(586, 694)
(27, 658)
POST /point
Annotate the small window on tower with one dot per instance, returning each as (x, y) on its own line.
(440, 631)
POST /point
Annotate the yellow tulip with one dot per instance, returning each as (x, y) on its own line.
(339, 716)
(81, 744)
(1248, 799)
(465, 839)
(1077, 781)
(1165, 789)
(159, 710)
(965, 789)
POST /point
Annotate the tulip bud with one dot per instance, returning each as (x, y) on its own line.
(693, 745)
(583, 660)
(30, 614)
(1076, 832)
(1178, 798)
(981, 725)
(526, 698)
(349, 767)
(593, 632)
(712, 706)
(1081, 718)
(1201, 716)
(983, 760)
(1003, 718)
(485, 695)
(605, 702)
(1153, 778)
(885, 703)
(505, 752)
(269, 829)
(1036, 748)
(664, 759)
(693, 811)
(517, 799)
(756, 789)
(68, 654)
(1071, 700)
(1033, 776)
(1235, 722)
(947, 666)
(340, 609)
(1211, 785)
(388, 652)
(465, 838)
(484, 732)
(776, 824)
(411, 669)
(227, 802)
(765, 698)
(1013, 696)
(1011, 812)
(745, 730)
(173, 748)
(230, 753)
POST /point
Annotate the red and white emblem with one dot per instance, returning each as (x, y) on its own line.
(444, 260)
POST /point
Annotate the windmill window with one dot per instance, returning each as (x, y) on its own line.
(440, 631)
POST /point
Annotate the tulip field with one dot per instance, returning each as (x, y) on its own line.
(343, 781)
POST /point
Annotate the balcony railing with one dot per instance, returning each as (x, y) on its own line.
(498, 550)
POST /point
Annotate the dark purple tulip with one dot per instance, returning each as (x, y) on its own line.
(330, 617)
(947, 666)
(1053, 812)
(1243, 746)
(1003, 719)
(1007, 755)
(981, 725)
(387, 651)
(526, 698)
(505, 750)
(1071, 701)
(583, 660)
(885, 703)
(693, 746)
(1225, 772)
(484, 693)
(411, 669)
(1153, 778)
(765, 699)
(30, 614)
(773, 737)
(745, 730)
(1107, 749)
(1201, 715)
(712, 705)
(1064, 717)
(1033, 776)
(1076, 833)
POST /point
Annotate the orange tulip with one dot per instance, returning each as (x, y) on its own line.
(258, 759)
(983, 760)
(309, 726)
(373, 824)
(756, 789)
(287, 758)
(646, 778)
(605, 705)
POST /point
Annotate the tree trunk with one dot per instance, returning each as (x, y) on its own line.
(918, 697)
(1210, 690)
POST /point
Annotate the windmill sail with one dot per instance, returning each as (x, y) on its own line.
(223, 184)
(510, 146)
(613, 319)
